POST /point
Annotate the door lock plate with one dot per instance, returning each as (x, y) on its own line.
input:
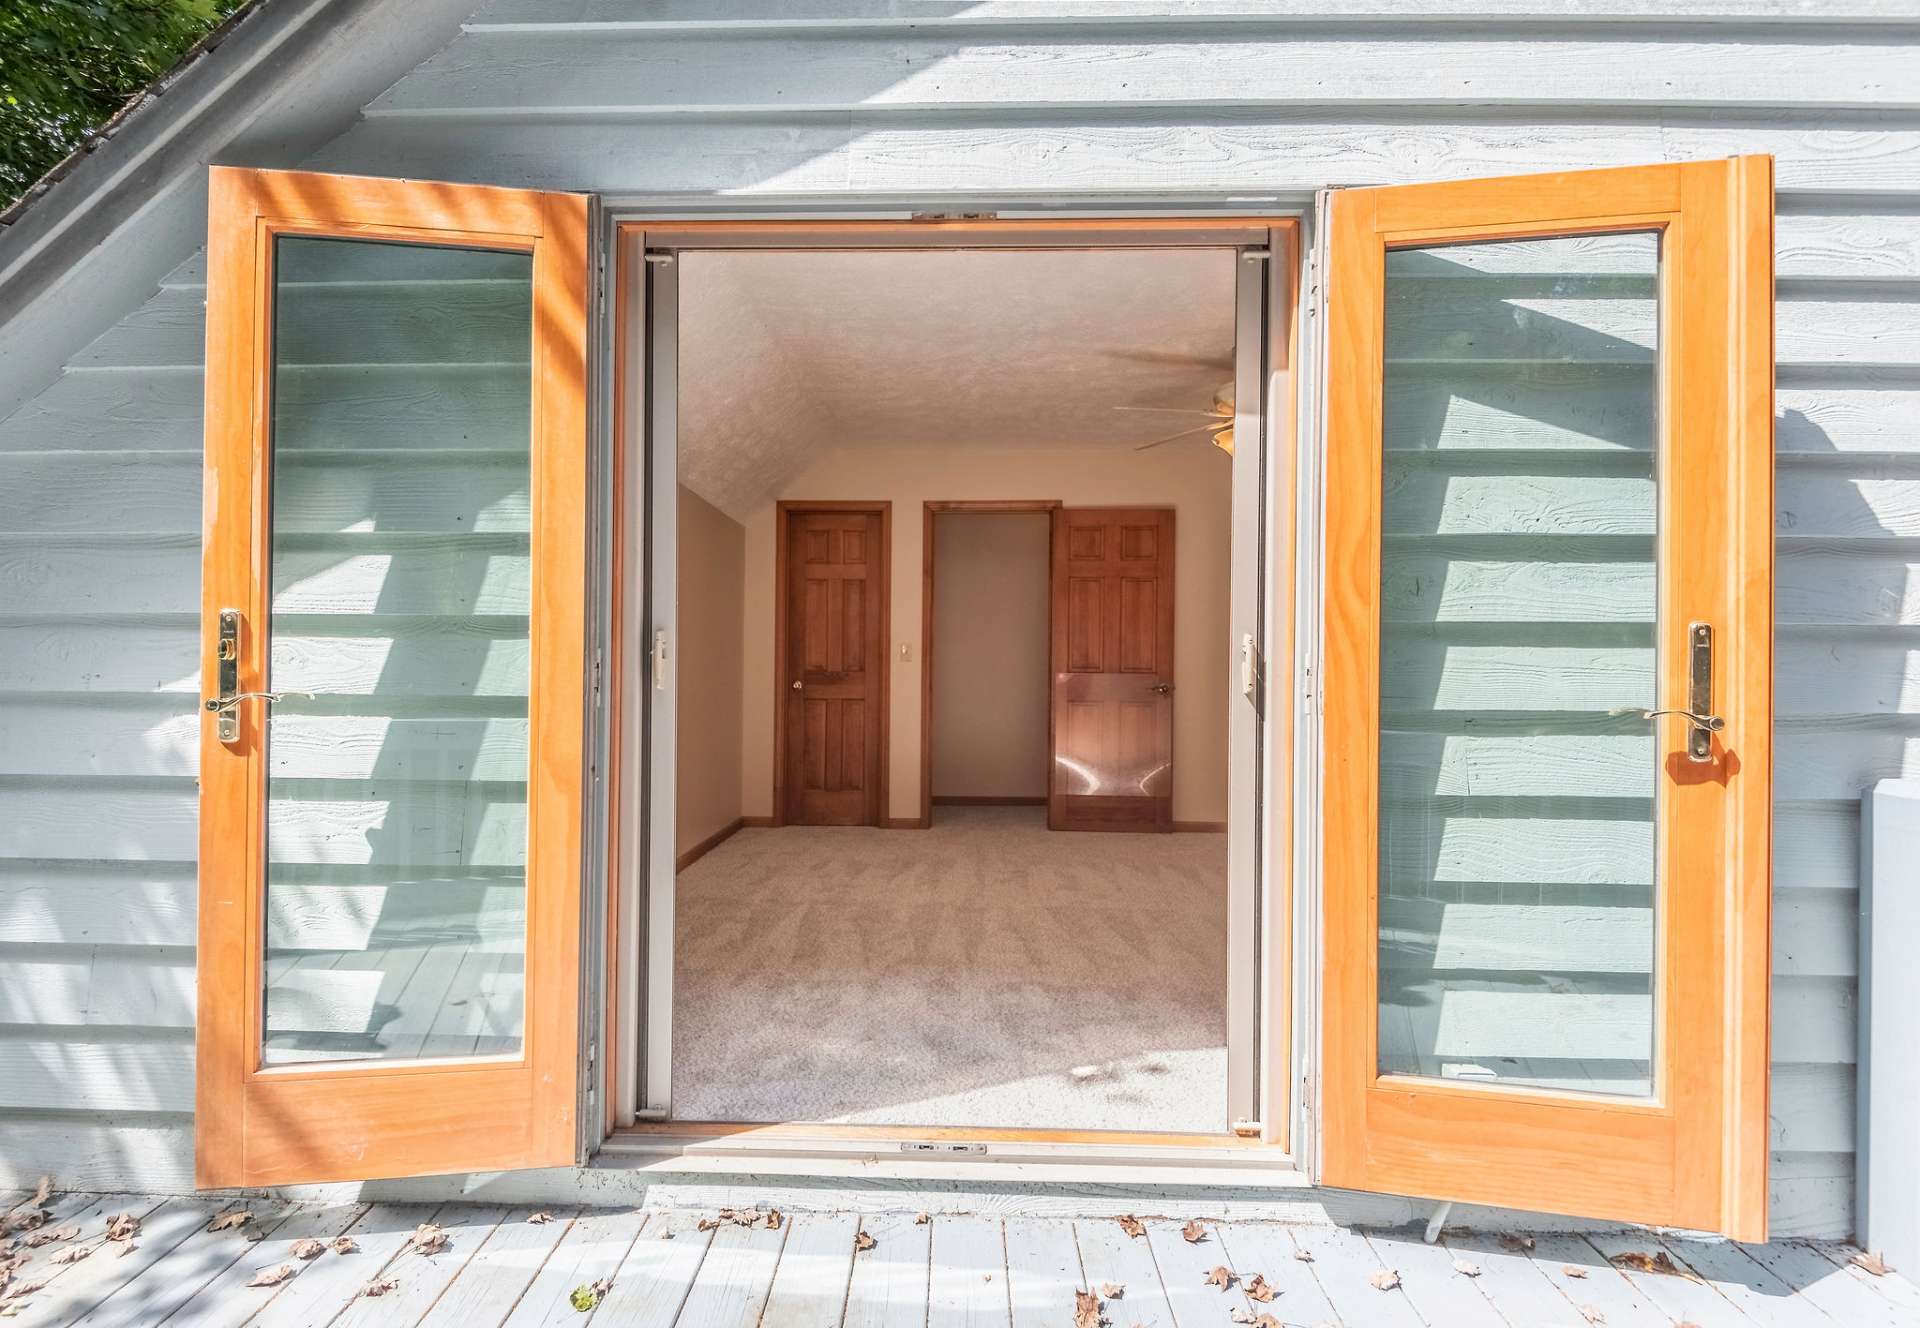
(226, 719)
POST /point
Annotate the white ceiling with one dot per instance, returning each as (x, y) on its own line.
(784, 355)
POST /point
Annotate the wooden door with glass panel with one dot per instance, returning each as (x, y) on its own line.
(394, 589)
(1547, 693)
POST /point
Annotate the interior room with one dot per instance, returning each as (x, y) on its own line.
(953, 677)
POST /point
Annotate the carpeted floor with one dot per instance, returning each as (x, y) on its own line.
(983, 972)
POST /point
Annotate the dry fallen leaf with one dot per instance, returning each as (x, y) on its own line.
(921, 1219)
(380, 1286)
(427, 1239)
(1592, 1314)
(123, 1227)
(1658, 1262)
(1112, 1290)
(1303, 1255)
(1132, 1225)
(48, 1235)
(307, 1248)
(19, 1290)
(74, 1253)
(233, 1217)
(1266, 1321)
(1872, 1262)
(42, 1192)
(1239, 1315)
(1259, 1289)
(1221, 1277)
(1385, 1280)
(540, 1219)
(863, 1241)
(1517, 1243)
(774, 1219)
(1573, 1270)
(1466, 1268)
(272, 1276)
(344, 1245)
(1086, 1310)
(1193, 1231)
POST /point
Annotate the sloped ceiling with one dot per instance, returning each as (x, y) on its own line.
(784, 355)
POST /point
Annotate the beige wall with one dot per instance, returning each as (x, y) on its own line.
(712, 566)
(1193, 479)
(990, 654)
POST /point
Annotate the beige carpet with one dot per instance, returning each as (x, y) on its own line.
(983, 972)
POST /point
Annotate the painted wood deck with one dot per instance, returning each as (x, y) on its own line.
(686, 1269)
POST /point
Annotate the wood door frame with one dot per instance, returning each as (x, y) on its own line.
(782, 533)
(1280, 938)
(930, 509)
(256, 1124)
(1427, 1137)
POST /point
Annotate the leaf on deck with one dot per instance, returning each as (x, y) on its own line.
(1132, 1225)
(1659, 1261)
(428, 1238)
(273, 1276)
(1592, 1314)
(1385, 1280)
(1466, 1268)
(233, 1217)
(1112, 1290)
(1086, 1310)
(863, 1241)
(1574, 1270)
(1221, 1276)
(380, 1286)
(307, 1248)
(1193, 1231)
(1871, 1261)
(540, 1219)
(344, 1245)
(1260, 1289)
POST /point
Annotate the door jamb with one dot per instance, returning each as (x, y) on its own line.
(785, 508)
(932, 508)
(1093, 225)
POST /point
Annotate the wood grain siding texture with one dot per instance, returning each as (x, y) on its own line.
(858, 99)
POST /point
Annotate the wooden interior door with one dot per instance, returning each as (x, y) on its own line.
(834, 670)
(1112, 669)
(1549, 527)
(390, 846)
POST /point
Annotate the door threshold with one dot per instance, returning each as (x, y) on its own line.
(951, 1154)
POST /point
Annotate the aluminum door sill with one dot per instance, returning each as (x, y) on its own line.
(826, 1156)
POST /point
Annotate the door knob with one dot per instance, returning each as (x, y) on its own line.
(1164, 688)
(796, 684)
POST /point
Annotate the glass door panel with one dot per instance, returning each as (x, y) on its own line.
(1518, 601)
(397, 802)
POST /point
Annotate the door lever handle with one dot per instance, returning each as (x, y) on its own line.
(222, 704)
(1711, 723)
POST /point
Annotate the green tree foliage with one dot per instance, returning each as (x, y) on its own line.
(67, 65)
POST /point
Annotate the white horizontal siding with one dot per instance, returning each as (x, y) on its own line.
(818, 101)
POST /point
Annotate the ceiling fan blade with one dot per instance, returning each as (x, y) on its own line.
(1184, 433)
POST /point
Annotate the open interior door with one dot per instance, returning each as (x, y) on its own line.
(1549, 513)
(394, 589)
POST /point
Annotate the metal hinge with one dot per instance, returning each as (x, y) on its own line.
(1251, 667)
(955, 216)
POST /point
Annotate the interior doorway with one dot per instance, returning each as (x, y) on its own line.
(810, 966)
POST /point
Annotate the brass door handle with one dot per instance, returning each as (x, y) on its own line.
(1164, 688)
(797, 684)
(1702, 723)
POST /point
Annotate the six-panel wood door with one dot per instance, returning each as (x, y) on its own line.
(1113, 680)
(394, 592)
(834, 676)
(1549, 533)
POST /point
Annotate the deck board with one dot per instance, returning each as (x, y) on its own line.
(1043, 1271)
(959, 1270)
